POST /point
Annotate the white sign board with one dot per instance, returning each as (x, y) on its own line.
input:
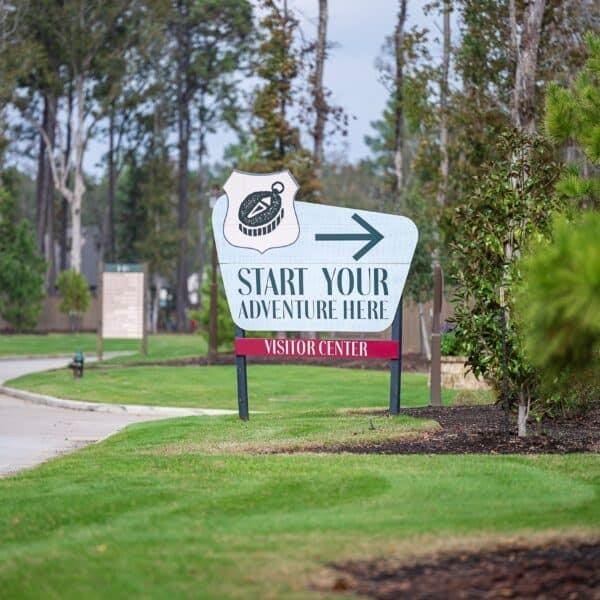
(123, 304)
(297, 266)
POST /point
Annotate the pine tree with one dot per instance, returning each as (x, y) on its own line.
(276, 143)
(573, 115)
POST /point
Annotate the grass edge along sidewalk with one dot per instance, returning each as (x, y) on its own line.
(273, 388)
(187, 507)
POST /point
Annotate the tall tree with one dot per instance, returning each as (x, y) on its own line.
(126, 80)
(275, 142)
(319, 99)
(77, 36)
(185, 88)
(443, 110)
(16, 56)
(405, 69)
(399, 51)
(39, 70)
(208, 41)
(419, 124)
(485, 99)
(45, 188)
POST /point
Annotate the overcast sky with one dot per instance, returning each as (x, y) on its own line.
(357, 28)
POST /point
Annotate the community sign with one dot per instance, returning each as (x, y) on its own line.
(298, 266)
(295, 266)
(123, 301)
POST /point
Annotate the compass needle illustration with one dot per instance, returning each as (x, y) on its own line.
(261, 212)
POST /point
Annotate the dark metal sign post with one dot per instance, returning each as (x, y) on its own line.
(396, 364)
(242, 378)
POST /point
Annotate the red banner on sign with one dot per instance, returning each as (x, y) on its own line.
(314, 348)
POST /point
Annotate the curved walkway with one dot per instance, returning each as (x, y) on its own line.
(33, 430)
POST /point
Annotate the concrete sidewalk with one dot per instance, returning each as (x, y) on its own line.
(31, 434)
(35, 428)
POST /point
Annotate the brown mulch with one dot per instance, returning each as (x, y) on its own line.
(481, 430)
(566, 571)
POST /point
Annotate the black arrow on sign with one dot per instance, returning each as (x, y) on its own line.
(372, 236)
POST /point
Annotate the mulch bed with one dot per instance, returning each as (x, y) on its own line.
(482, 430)
(566, 571)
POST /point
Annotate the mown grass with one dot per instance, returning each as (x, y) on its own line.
(163, 509)
(194, 508)
(270, 387)
(58, 344)
(160, 347)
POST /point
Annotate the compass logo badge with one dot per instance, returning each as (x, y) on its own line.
(260, 210)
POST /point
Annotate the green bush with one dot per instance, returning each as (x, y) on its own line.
(450, 344)
(559, 299)
(568, 393)
(558, 306)
(75, 292)
(21, 269)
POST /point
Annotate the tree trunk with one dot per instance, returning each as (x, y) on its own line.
(525, 41)
(319, 100)
(399, 101)
(203, 211)
(202, 218)
(108, 245)
(45, 191)
(154, 303)
(43, 160)
(64, 210)
(213, 325)
(79, 181)
(522, 415)
(444, 162)
(525, 45)
(63, 240)
(442, 191)
(49, 253)
(425, 347)
(183, 123)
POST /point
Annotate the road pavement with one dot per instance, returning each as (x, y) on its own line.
(31, 433)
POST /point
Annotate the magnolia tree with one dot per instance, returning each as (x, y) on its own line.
(512, 205)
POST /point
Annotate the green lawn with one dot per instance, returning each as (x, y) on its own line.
(270, 387)
(201, 508)
(160, 347)
(164, 509)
